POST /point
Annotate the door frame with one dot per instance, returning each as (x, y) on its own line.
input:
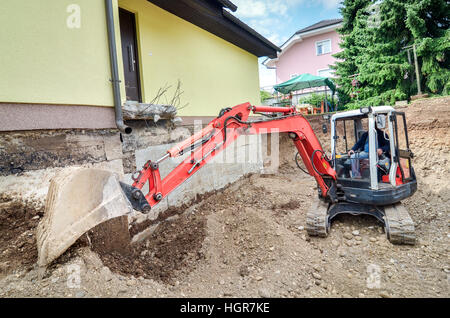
(138, 51)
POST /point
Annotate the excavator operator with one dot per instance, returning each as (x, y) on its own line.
(361, 150)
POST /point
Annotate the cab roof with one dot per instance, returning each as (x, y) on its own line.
(357, 112)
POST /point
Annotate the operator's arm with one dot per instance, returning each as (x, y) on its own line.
(360, 143)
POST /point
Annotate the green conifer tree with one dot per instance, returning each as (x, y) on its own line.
(374, 37)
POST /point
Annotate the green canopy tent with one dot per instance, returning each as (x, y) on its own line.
(305, 81)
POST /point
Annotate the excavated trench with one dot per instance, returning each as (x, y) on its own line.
(17, 240)
(173, 247)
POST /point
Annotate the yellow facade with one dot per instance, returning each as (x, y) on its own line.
(45, 59)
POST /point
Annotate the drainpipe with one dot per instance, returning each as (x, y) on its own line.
(114, 69)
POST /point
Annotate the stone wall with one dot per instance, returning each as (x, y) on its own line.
(25, 151)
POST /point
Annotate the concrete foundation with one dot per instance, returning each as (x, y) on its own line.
(243, 157)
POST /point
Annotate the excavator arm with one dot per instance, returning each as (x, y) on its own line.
(81, 198)
(216, 137)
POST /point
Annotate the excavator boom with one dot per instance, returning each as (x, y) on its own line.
(217, 136)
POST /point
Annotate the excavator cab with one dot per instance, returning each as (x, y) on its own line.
(379, 172)
(372, 159)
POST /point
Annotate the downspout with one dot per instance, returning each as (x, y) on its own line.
(114, 69)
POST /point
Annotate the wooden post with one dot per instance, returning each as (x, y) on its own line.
(416, 63)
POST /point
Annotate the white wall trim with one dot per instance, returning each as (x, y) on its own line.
(324, 40)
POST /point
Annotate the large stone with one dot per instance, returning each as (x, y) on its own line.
(78, 200)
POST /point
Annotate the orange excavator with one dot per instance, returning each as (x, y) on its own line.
(373, 185)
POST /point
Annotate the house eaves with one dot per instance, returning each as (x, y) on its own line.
(315, 29)
(214, 17)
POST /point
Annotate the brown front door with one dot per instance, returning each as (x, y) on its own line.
(129, 55)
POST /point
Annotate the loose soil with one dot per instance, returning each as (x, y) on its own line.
(248, 240)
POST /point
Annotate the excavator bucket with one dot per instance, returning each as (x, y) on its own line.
(78, 200)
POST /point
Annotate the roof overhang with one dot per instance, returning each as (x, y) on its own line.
(297, 38)
(214, 17)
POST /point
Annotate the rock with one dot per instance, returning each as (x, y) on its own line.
(222, 282)
(4, 266)
(335, 243)
(372, 239)
(258, 278)
(384, 294)
(301, 228)
(243, 271)
(316, 275)
(348, 243)
(348, 235)
(342, 253)
(131, 282)
(355, 233)
(80, 294)
(263, 293)
(358, 238)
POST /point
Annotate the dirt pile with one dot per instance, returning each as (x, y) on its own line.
(171, 250)
(17, 238)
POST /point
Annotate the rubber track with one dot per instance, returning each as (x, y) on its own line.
(399, 225)
(317, 219)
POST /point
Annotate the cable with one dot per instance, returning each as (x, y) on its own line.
(298, 164)
(312, 161)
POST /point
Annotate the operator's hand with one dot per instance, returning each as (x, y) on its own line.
(379, 151)
(351, 152)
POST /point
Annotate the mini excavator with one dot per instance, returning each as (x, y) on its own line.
(373, 184)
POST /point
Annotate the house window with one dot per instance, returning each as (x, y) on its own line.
(323, 47)
(325, 72)
(294, 75)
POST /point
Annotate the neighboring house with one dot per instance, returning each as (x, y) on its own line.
(309, 50)
(56, 65)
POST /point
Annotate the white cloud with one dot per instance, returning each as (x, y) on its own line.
(261, 8)
(251, 8)
(330, 4)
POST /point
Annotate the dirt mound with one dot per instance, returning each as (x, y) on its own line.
(171, 249)
(429, 113)
(18, 221)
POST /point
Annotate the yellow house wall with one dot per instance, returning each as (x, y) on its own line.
(44, 61)
(213, 72)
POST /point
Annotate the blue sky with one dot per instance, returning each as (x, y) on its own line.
(277, 20)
